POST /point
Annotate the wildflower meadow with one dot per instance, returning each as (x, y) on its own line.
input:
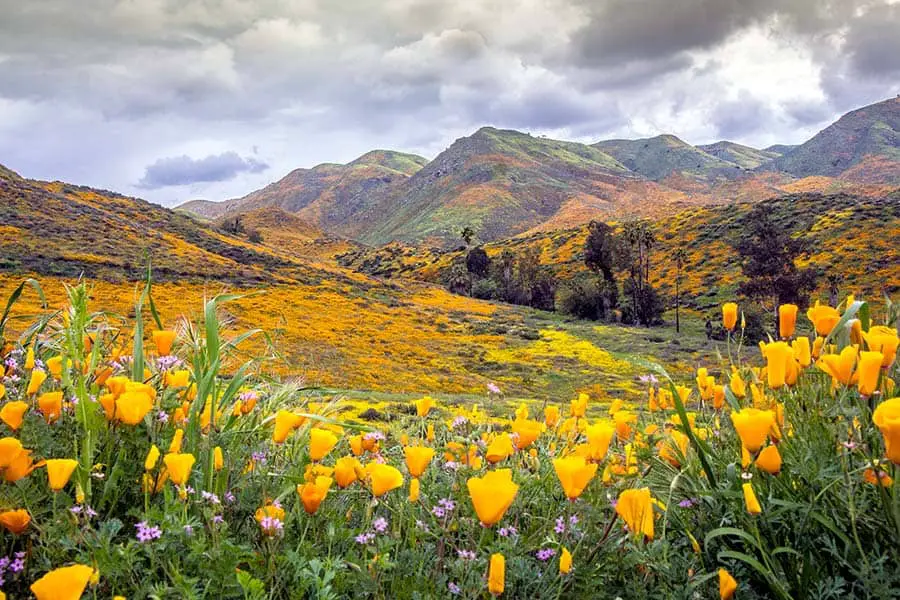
(150, 459)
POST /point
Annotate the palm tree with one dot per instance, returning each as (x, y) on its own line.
(679, 256)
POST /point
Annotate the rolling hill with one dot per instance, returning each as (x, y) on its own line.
(65, 230)
(743, 156)
(504, 183)
(660, 157)
(853, 237)
(325, 325)
(862, 145)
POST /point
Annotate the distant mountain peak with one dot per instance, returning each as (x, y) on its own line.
(863, 134)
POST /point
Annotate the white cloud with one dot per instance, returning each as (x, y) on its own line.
(94, 92)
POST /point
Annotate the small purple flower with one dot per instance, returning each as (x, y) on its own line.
(438, 512)
(146, 533)
(162, 417)
(375, 436)
(229, 497)
(188, 530)
(188, 489)
(380, 525)
(90, 512)
(453, 588)
(508, 531)
(493, 389)
(466, 554)
(272, 526)
(76, 510)
(276, 503)
(689, 502)
(259, 457)
(165, 363)
(560, 525)
(218, 519)
(545, 554)
(447, 504)
(573, 520)
(210, 497)
(458, 422)
(421, 525)
(4, 563)
(364, 538)
(248, 395)
(17, 565)
(452, 465)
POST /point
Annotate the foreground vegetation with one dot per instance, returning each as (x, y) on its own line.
(139, 459)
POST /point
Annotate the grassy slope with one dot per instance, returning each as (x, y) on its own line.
(334, 327)
(743, 156)
(856, 235)
(869, 133)
(663, 156)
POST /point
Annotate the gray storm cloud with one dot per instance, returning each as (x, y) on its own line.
(184, 170)
(95, 91)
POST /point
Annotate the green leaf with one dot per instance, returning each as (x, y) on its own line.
(702, 448)
(733, 531)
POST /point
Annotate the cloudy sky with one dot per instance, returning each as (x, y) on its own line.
(178, 99)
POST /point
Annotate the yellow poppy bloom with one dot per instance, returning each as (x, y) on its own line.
(59, 471)
(179, 467)
(321, 441)
(787, 320)
(312, 493)
(285, 423)
(727, 585)
(163, 339)
(769, 460)
(133, 406)
(218, 458)
(729, 315)
(750, 500)
(777, 355)
(54, 365)
(551, 416)
(868, 372)
(753, 426)
(802, 351)
(885, 340)
(15, 521)
(497, 574)
(65, 583)
(414, 488)
(384, 478)
(177, 440)
(823, 318)
(424, 406)
(152, 458)
(500, 448)
(13, 413)
(887, 418)
(526, 431)
(565, 561)
(574, 474)
(38, 377)
(635, 507)
(840, 366)
(50, 405)
(599, 437)
(345, 470)
(492, 495)
(417, 459)
(178, 379)
(578, 407)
